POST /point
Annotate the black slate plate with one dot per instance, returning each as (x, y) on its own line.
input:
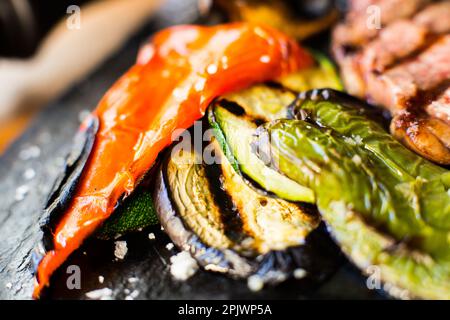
(42, 149)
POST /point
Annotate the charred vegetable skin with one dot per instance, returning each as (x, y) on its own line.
(234, 118)
(236, 219)
(65, 185)
(229, 228)
(137, 211)
(385, 206)
(170, 86)
(235, 134)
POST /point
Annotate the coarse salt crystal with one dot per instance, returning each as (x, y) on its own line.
(83, 115)
(299, 273)
(151, 236)
(21, 192)
(29, 174)
(133, 280)
(101, 279)
(133, 295)
(169, 246)
(100, 294)
(30, 153)
(121, 249)
(183, 266)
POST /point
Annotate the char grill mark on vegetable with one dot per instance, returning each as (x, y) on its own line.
(234, 221)
(270, 230)
(400, 67)
(169, 87)
(235, 116)
(385, 206)
(235, 135)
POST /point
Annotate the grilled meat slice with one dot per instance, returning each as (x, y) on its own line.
(436, 17)
(407, 83)
(355, 31)
(396, 41)
(404, 67)
(427, 136)
(440, 108)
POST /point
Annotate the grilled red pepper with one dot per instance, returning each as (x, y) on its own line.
(170, 86)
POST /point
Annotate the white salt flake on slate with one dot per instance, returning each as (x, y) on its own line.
(30, 153)
(151, 236)
(100, 294)
(183, 266)
(29, 174)
(83, 114)
(21, 192)
(121, 249)
(133, 295)
(101, 279)
(133, 280)
(169, 246)
(300, 273)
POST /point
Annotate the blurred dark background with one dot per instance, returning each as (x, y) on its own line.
(24, 23)
(41, 56)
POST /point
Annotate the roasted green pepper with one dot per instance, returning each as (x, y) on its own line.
(384, 205)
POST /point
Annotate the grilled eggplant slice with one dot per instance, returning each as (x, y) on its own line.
(189, 214)
(386, 207)
(229, 228)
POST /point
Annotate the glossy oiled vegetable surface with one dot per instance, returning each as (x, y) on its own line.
(19, 232)
(258, 103)
(169, 88)
(386, 206)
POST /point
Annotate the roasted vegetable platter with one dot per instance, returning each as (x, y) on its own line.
(147, 260)
(311, 197)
